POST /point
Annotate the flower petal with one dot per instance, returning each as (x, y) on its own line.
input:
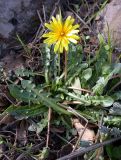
(72, 32)
(57, 45)
(57, 23)
(61, 47)
(59, 19)
(65, 43)
(50, 40)
(49, 34)
(49, 26)
(74, 37)
(75, 26)
(69, 21)
(72, 40)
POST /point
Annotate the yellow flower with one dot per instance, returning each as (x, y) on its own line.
(61, 33)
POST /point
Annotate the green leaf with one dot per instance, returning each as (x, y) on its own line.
(86, 74)
(107, 101)
(32, 94)
(88, 100)
(117, 95)
(113, 120)
(102, 82)
(77, 85)
(107, 47)
(114, 152)
(21, 112)
(116, 109)
(49, 102)
(90, 114)
(22, 95)
(38, 127)
(74, 71)
(24, 72)
(44, 154)
(101, 39)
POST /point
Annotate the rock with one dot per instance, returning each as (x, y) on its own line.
(16, 16)
(110, 17)
(20, 16)
(88, 135)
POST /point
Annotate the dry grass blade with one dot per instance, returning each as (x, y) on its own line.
(48, 131)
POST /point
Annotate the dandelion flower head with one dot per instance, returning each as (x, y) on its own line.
(61, 33)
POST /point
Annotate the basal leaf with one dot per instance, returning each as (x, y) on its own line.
(21, 112)
(32, 94)
(86, 74)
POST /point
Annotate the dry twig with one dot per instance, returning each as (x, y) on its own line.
(88, 149)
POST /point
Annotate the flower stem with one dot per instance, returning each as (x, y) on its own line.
(59, 64)
(65, 69)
